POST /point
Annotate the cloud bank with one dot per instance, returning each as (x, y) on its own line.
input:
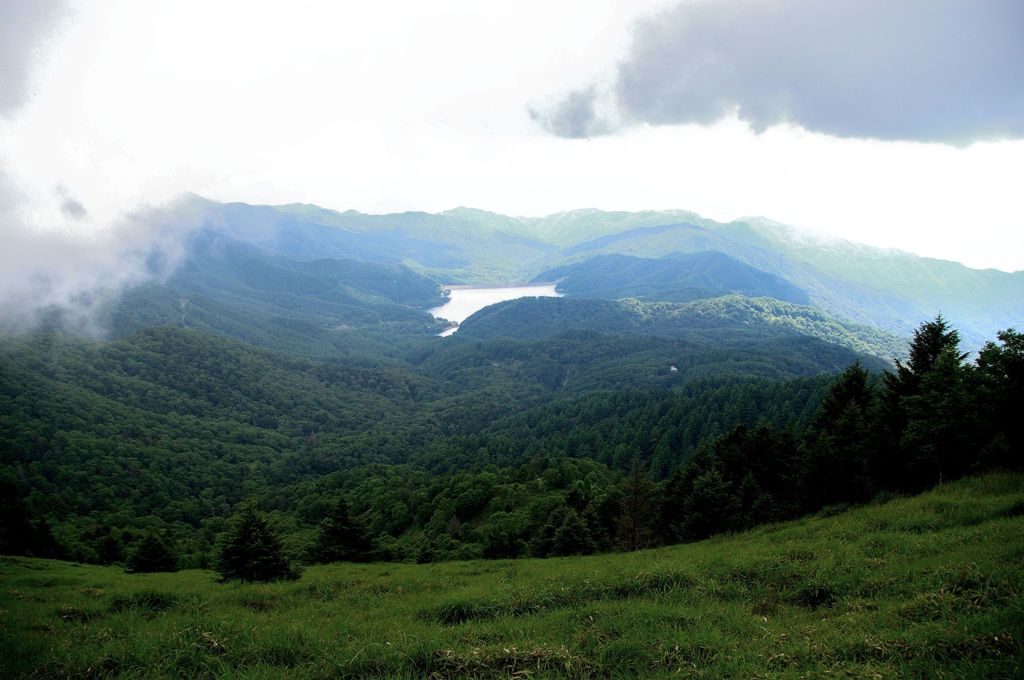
(945, 71)
(56, 263)
(71, 277)
(22, 26)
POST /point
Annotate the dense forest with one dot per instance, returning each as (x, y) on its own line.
(286, 374)
(103, 450)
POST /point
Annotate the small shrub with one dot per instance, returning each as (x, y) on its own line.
(813, 595)
(147, 602)
(1016, 509)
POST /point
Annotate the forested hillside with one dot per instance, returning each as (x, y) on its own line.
(289, 365)
(889, 289)
(170, 429)
(681, 277)
(729, 319)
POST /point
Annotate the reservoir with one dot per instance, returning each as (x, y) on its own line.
(463, 301)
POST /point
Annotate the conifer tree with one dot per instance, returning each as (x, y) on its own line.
(841, 442)
(572, 537)
(939, 438)
(151, 554)
(341, 538)
(1000, 378)
(252, 552)
(637, 496)
(914, 398)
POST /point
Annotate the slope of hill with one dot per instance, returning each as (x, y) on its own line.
(728, 318)
(171, 427)
(305, 307)
(929, 586)
(680, 277)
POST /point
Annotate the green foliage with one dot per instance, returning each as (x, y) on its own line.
(250, 551)
(1000, 376)
(679, 277)
(341, 538)
(922, 587)
(475, 447)
(151, 554)
(19, 533)
(733, 319)
(843, 441)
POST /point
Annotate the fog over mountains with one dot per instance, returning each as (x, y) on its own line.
(888, 289)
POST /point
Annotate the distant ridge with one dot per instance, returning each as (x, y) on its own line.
(889, 289)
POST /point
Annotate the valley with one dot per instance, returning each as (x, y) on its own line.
(607, 402)
(405, 340)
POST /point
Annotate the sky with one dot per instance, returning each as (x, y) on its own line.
(892, 123)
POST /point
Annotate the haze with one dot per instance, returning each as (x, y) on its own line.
(523, 108)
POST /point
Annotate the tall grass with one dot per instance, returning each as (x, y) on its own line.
(931, 586)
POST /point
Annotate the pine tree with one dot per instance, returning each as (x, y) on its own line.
(711, 508)
(251, 551)
(913, 399)
(637, 496)
(1000, 376)
(151, 554)
(342, 538)
(841, 442)
(572, 537)
(939, 437)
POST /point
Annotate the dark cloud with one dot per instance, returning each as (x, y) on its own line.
(69, 205)
(574, 116)
(23, 23)
(928, 70)
(73, 209)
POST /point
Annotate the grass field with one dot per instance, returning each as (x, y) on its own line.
(931, 586)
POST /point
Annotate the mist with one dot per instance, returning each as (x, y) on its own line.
(60, 263)
(71, 275)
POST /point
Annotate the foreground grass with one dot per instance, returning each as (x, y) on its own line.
(931, 586)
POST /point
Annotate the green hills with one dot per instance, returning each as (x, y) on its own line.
(888, 289)
(283, 398)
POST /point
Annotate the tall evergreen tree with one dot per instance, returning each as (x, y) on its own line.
(637, 499)
(572, 537)
(935, 345)
(252, 552)
(342, 538)
(711, 507)
(841, 442)
(151, 554)
(1000, 377)
(939, 439)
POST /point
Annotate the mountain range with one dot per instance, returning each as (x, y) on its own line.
(683, 257)
(291, 357)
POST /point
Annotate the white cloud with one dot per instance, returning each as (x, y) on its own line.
(407, 105)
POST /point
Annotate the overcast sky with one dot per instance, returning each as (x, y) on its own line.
(891, 122)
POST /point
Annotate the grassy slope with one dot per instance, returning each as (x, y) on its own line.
(931, 586)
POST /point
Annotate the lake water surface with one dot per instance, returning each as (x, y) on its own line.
(463, 301)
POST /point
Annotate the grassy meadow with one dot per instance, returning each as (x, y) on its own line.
(930, 586)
